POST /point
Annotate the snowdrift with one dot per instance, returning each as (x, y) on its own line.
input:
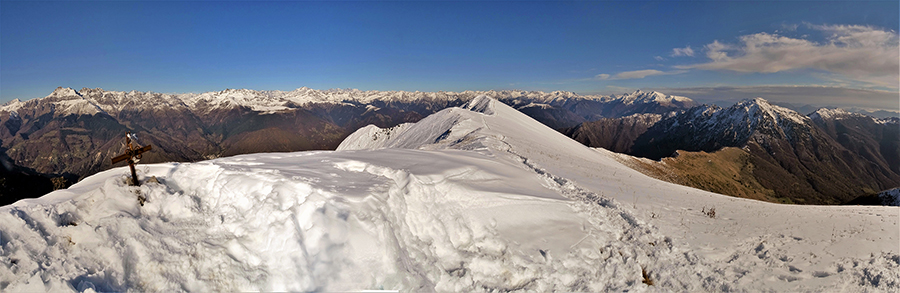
(479, 198)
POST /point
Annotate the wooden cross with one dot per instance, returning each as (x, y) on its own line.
(130, 154)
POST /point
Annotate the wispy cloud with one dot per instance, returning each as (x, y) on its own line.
(659, 58)
(790, 27)
(861, 53)
(686, 51)
(636, 74)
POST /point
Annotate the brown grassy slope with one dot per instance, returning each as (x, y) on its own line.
(727, 171)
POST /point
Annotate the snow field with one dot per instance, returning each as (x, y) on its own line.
(254, 223)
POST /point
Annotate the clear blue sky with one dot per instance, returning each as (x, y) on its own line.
(586, 47)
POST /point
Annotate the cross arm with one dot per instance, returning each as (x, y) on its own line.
(130, 154)
(142, 150)
(121, 157)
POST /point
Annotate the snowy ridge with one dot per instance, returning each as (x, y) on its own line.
(478, 198)
(771, 253)
(891, 120)
(78, 107)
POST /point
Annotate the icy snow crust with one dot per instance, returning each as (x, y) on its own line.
(480, 198)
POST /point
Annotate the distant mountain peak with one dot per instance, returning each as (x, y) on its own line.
(759, 107)
(655, 97)
(833, 114)
(60, 92)
(711, 127)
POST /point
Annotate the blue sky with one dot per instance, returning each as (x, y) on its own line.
(586, 47)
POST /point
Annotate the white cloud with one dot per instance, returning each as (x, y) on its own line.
(686, 51)
(659, 58)
(637, 74)
(860, 53)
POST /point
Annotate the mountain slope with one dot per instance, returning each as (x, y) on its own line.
(481, 198)
(876, 140)
(17, 182)
(614, 134)
(789, 153)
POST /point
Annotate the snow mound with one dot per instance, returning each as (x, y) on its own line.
(485, 199)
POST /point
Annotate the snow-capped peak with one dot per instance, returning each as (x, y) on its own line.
(653, 97)
(12, 106)
(68, 101)
(64, 92)
(733, 126)
(836, 114)
(759, 106)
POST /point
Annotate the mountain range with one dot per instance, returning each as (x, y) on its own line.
(830, 156)
(74, 133)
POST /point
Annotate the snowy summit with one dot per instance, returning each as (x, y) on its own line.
(475, 198)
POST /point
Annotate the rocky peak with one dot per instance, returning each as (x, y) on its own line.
(62, 92)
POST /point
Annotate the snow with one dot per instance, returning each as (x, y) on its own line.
(12, 106)
(681, 99)
(740, 120)
(829, 114)
(77, 107)
(479, 198)
(371, 137)
(890, 120)
(761, 106)
(840, 114)
(536, 105)
(653, 97)
(63, 92)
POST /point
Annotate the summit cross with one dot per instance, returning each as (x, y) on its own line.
(131, 153)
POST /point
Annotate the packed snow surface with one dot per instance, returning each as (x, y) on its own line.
(480, 198)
